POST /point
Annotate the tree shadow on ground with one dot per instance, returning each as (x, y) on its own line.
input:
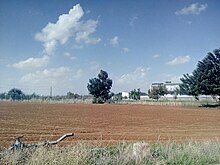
(210, 105)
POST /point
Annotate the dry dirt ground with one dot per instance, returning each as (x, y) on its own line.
(108, 123)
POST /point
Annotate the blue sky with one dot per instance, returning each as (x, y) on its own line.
(63, 44)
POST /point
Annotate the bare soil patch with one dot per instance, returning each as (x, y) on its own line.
(39, 122)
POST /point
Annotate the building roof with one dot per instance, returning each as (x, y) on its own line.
(157, 84)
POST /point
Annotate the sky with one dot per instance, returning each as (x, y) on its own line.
(63, 44)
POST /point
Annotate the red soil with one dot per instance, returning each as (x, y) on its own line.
(40, 122)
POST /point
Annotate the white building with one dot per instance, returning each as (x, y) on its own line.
(125, 94)
(171, 86)
(153, 85)
(168, 84)
(144, 98)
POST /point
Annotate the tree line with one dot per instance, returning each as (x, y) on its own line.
(204, 80)
(17, 94)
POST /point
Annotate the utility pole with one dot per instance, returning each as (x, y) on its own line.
(51, 92)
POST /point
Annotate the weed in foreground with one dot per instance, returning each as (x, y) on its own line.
(191, 153)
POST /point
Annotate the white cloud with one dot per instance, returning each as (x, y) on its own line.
(45, 75)
(78, 74)
(32, 63)
(85, 30)
(125, 50)
(179, 60)
(68, 25)
(189, 22)
(156, 56)
(133, 20)
(94, 66)
(132, 80)
(114, 41)
(67, 54)
(61, 79)
(194, 8)
(170, 77)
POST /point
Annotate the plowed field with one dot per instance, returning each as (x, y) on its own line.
(109, 123)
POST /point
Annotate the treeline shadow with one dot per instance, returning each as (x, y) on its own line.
(210, 105)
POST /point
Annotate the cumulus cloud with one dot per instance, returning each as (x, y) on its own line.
(61, 79)
(32, 63)
(125, 50)
(68, 25)
(171, 77)
(189, 22)
(156, 56)
(87, 28)
(78, 74)
(179, 60)
(114, 41)
(194, 8)
(133, 20)
(46, 74)
(68, 55)
(132, 80)
(94, 66)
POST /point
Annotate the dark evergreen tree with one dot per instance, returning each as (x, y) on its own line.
(16, 94)
(100, 87)
(205, 79)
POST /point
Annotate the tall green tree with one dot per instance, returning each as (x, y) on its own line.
(135, 94)
(100, 87)
(118, 96)
(157, 92)
(205, 79)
